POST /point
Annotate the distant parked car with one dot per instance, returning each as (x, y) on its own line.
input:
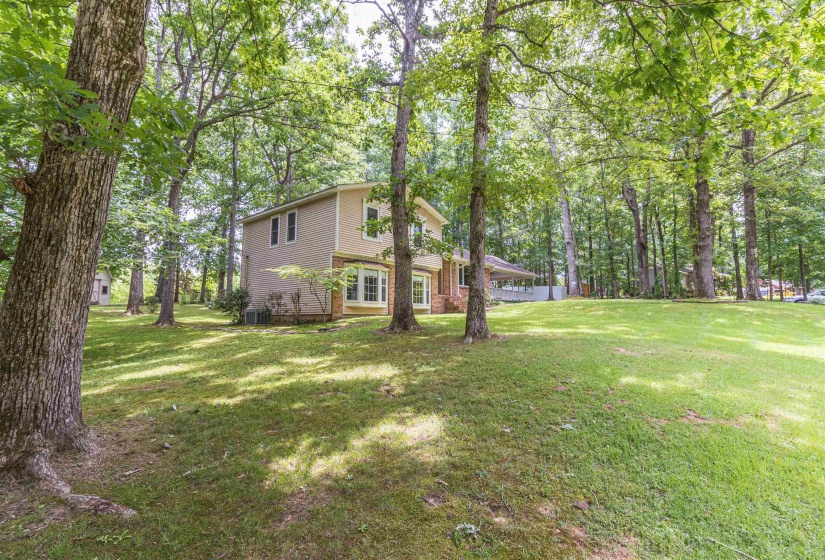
(800, 299)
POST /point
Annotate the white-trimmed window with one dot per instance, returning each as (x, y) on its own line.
(292, 226)
(366, 286)
(421, 289)
(274, 231)
(464, 275)
(372, 212)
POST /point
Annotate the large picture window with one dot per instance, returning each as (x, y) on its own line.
(421, 289)
(464, 275)
(366, 286)
(274, 231)
(291, 226)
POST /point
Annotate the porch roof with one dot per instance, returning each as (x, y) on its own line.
(499, 268)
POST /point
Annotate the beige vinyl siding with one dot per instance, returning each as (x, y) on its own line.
(350, 237)
(313, 248)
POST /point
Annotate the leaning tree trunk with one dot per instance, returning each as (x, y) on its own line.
(735, 245)
(749, 205)
(403, 315)
(44, 313)
(704, 225)
(640, 229)
(476, 326)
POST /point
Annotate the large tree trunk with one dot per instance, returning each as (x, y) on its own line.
(476, 326)
(735, 245)
(660, 231)
(233, 210)
(614, 281)
(704, 266)
(749, 205)
(640, 230)
(403, 316)
(44, 313)
(574, 286)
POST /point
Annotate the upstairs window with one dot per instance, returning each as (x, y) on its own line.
(371, 213)
(418, 235)
(274, 231)
(291, 226)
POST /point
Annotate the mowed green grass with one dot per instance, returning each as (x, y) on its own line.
(692, 431)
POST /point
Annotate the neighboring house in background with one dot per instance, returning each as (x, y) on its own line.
(325, 229)
(101, 288)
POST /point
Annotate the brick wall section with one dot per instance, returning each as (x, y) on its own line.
(448, 268)
(390, 288)
(465, 292)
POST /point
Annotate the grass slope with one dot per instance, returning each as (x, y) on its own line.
(691, 431)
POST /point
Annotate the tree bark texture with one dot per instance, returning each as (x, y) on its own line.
(640, 229)
(705, 288)
(45, 310)
(749, 206)
(574, 286)
(403, 316)
(476, 325)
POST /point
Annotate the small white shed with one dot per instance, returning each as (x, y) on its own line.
(101, 288)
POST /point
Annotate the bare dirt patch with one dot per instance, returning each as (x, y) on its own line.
(623, 550)
(433, 499)
(548, 510)
(694, 418)
(299, 505)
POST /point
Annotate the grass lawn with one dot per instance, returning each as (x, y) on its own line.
(689, 431)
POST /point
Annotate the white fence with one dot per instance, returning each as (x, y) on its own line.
(522, 293)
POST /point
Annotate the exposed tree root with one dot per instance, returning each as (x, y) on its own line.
(164, 323)
(400, 329)
(36, 467)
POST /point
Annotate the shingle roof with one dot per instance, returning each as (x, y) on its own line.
(495, 262)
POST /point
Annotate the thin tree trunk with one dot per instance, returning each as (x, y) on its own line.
(591, 277)
(735, 245)
(802, 274)
(136, 281)
(781, 286)
(476, 326)
(652, 230)
(550, 257)
(614, 281)
(660, 231)
(704, 270)
(574, 287)
(44, 312)
(677, 285)
(770, 254)
(640, 230)
(222, 267)
(202, 298)
(233, 210)
(177, 283)
(403, 315)
(749, 205)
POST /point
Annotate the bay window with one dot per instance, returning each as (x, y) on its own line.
(366, 286)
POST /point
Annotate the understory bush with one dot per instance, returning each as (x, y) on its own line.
(234, 304)
(152, 303)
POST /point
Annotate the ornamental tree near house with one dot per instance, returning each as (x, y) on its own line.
(45, 309)
(321, 282)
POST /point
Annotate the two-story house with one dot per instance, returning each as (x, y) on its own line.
(325, 229)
